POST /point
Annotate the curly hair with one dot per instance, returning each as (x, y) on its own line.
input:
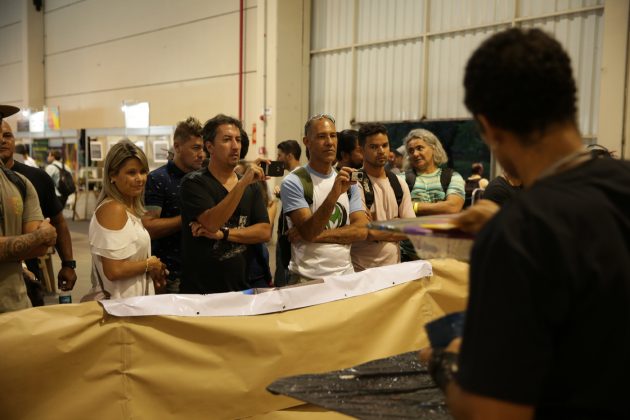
(521, 81)
(439, 154)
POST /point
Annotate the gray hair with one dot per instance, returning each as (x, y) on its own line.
(439, 155)
(115, 159)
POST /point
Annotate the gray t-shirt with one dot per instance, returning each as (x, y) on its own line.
(14, 213)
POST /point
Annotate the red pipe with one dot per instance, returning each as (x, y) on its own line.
(240, 65)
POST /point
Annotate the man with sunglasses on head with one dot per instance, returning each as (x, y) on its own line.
(324, 206)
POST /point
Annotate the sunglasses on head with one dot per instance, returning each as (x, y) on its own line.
(316, 118)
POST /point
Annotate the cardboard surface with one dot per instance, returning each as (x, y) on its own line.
(74, 361)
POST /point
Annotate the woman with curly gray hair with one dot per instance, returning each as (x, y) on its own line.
(433, 190)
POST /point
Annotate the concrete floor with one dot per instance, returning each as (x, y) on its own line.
(81, 251)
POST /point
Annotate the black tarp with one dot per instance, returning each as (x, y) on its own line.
(397, 387)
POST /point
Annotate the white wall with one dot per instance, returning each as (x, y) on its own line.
(401, 60)
(368, 60)
(11, 52)
(181, 56)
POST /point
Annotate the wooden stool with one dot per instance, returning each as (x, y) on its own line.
(45, 264)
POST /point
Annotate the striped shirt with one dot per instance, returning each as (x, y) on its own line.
(428, 189)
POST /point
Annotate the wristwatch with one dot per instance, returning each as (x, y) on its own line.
(70, 264)
(226, 232)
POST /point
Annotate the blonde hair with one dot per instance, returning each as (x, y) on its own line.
(439, 155)
(115, 159)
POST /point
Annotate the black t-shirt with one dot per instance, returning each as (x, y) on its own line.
(43, 183)
(211, 266)
(548, 321)
(500, 191)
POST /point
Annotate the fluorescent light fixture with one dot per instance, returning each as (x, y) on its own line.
(136, 114)
(36, 122)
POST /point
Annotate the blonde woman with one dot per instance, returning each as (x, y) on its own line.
(122, 265)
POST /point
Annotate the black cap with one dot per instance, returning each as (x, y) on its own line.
(7, 111)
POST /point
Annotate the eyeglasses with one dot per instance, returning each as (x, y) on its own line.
(316, 118)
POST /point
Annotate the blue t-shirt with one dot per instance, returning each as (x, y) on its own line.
(292, 192)
(316, 260)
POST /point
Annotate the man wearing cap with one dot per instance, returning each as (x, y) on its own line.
(51, 208)
(23, 232)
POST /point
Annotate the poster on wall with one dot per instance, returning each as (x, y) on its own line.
(52, 118)
(70, 153)
(140, 144)
(96, 151)
(39, 151)
(111, 141)
(160, 151)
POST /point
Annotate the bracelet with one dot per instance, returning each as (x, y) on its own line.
(443, 367)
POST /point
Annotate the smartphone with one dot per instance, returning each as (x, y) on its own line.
(274, 168)
(445, 329)
(356, 176)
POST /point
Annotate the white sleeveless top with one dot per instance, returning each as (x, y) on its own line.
(132, 243)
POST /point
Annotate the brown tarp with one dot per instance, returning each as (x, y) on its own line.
(74, 361)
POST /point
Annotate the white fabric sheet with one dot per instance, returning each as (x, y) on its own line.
(275, 300)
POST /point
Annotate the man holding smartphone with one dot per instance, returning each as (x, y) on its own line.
(324, 208)
(224, 213)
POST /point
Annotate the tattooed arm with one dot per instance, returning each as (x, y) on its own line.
(29, 245)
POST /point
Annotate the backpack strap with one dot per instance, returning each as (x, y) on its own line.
(368, 191)
(445, 178)
(395, 184)
(307, 183)
(410, 178)
(16, 180)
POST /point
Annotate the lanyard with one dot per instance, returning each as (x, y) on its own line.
(566, 163)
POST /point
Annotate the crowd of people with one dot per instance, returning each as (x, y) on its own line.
(549, 270)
